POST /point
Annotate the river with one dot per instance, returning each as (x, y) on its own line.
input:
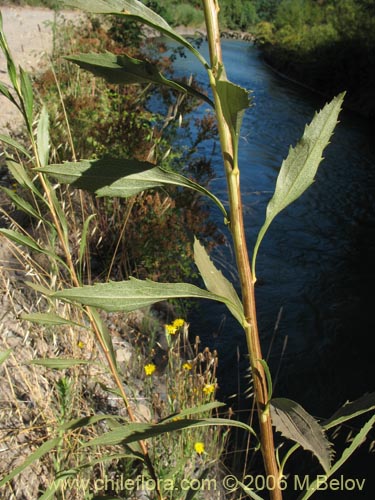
(315, 266)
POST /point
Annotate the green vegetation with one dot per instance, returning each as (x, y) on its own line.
(328, 44)
(235, 15)
(165, 425)
(100, 117)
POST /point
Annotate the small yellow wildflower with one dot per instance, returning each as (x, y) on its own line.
(199, 447)
(187, 366)
(149, 369)
(173, 327)
(209, 388)
(177, 323)
(80, 344)
(170, 329)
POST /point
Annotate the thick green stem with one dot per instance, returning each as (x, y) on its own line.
(242, 258)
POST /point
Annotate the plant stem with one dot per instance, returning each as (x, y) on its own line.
(89, 311)
(211, 9)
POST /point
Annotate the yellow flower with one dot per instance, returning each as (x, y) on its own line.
(199, 447)
(209, 388)
(177, 323)
(170, 329)
(173, 327)
(80, 344)
(187, 366)
(149, 369)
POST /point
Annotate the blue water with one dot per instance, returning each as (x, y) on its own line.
(315, 266)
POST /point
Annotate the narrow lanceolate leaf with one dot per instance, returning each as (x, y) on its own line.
(22, 239)
(48, 319)
(121, 178)
(296, 424)
(22, 204)
(347, 453)
(130, 433)
(19, 172)
(38, 453)
(234, 101)
(26, 241)
(351, 410)
(27, 95)
(59, 363)
(298, 171)
(14, 144)
(50, 492)
(79, 423)
(133, 294)
(217, 283)
(127, 70)
(12, 73)
(83, 243)
(248, 491)
(134, 11)
(208, 407)
(43, 137)
(5, 92)
(104, 335)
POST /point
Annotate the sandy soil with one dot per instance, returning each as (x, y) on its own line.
(29, 35)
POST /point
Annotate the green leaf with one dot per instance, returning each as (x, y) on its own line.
(19, 173)
(296, 424)
(105, 335)
(4, 90)
(134, 294)
(132, 432)
(121, 178)
(28, 96)
(83, 243)
(4, 355)
(51, 490)
(36, 455)
(192, 491)
(48, 319)
(22, 204)
(351, 410)
(298, 171)
(357, 441)
(12, 73)
(43, 137)
(122, 69)
(59, 211)
(39, 288)
(22, 239)
(267, 372)
(81, 422)
(216, 283)
(55, 485)
(208, 407)
(134, 11)
(248, 491)
(107, 458)
(234, 101)
(59, 363)
(14, 144)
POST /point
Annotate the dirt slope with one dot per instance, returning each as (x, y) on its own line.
(29, 34)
